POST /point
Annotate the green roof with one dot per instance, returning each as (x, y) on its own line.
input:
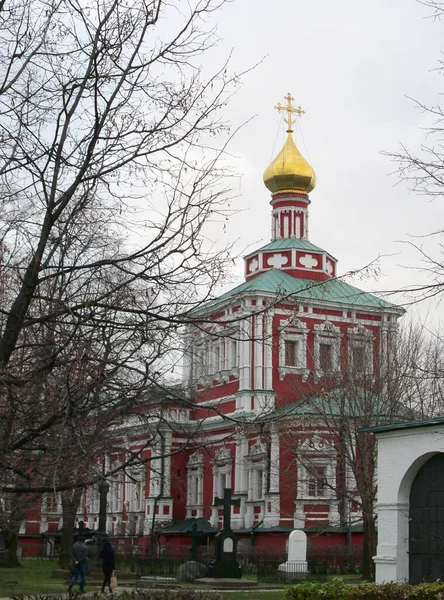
(288, 243)
(185, 526)
(358, 403)
(404, 425)
(332, 290)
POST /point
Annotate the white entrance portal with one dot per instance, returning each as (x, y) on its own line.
(403, 448)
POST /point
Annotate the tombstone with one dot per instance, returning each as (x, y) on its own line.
(296, 567)
(225, 563)
(190, 571)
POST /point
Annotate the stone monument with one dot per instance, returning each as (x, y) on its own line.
(296, 567)
(225, 563)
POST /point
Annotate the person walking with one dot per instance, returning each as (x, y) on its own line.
(108, 564)
(79, 555)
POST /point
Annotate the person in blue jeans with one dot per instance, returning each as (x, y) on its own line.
(79, 555)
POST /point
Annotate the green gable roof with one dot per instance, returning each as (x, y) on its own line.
(355, 403)
(186, 526)
(287, 244)
(333, 290)
(433, 422)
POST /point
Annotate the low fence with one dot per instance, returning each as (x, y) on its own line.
(277, 571)
(161, 568)
(266, 570)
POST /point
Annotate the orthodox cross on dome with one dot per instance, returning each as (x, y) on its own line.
(290, 109)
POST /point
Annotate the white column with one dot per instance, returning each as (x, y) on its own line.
(188, 359)
(392, 559)
(189, 483)
(258, 346)
(215, 492)
(268, 351)
(200, 489)
(274, 462)
(238, 460)
(167, 464)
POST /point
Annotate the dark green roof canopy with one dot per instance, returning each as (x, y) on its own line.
(185, 526)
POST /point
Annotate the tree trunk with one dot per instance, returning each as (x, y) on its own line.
(70, 505)
(369, 545)
(11, 544)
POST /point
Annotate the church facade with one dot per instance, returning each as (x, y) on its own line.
(257, 364)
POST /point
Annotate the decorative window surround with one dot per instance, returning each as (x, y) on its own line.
(314, 455)
(257, 469)
(92, 499)
(135, 491)
(329, 335)
(293, 331)
(222, 468)
(52, 503)
(116, 493)
(215, 357)
(360, 340)
(195, 481)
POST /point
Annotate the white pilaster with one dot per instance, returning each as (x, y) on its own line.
(258, 349)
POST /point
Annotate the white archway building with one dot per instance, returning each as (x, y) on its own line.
(403, 448)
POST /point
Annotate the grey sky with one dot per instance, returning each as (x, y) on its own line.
(350, 64)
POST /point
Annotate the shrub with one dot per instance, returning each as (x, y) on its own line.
(369, 591)
(316, 591)
(149, 594)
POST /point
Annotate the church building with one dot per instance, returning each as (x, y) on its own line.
(258, 361)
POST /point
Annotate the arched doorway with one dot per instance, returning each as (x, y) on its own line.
(426, 522)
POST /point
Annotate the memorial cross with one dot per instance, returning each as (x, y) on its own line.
(227, 502)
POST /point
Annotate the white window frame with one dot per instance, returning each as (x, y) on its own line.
(257, 463)
(195, 480)
(135, 490)
(222, 471)
(329, 334)
(360, 336)
(294, 331)
(316, 452)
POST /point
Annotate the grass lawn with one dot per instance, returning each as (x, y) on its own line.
(33, 577)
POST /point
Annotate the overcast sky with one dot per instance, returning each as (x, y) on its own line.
(352, 65)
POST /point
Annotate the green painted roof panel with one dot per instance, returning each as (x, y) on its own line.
(436, 421)
(287, 243)
(333, 290)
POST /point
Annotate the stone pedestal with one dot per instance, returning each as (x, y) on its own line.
(225, 562)
(296, 567)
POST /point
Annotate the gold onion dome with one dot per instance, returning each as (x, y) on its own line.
(289, 171)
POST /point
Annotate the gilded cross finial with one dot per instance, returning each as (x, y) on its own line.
(290, 109)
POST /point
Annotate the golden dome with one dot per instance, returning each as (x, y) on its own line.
(289, 171)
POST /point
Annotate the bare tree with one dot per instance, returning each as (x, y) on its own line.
(359, 395)
(109, 178)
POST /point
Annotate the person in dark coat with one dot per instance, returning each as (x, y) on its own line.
(79, 555)
(108, 565)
